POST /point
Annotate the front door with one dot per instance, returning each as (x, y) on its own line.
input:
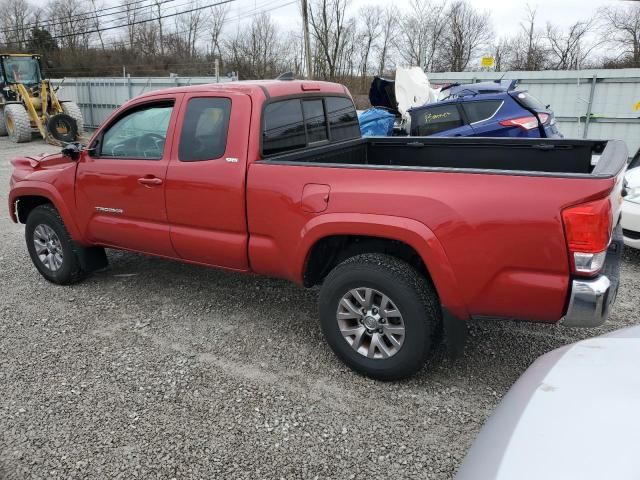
(120, 186)
(205, 184)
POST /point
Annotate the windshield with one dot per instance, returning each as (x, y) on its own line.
(22, 70)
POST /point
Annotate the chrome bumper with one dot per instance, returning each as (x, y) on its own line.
(589, 303)
(591, 299)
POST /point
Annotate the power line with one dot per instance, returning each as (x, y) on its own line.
(86, 32)
(238, 17)
(84, 16)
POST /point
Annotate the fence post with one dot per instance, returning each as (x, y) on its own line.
(585, 131)
(129, 88)
(91, 122)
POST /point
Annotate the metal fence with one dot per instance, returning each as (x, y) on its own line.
(601, 104)
(98, 97)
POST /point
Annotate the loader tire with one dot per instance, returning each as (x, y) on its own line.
(16, 120)
(3, 126)
(73, 110)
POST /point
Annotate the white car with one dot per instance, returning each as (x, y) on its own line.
(631, 209)
(573, 415)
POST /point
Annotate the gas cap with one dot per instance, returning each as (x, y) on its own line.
(315, 197)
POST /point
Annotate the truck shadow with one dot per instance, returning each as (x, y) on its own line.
(271, 324)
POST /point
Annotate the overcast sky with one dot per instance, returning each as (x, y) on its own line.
(505, 14)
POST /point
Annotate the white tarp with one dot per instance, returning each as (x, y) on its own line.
(413, 89)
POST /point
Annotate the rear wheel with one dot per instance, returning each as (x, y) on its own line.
(17, 123)
(52, 251)
(378, 314)
(73, 110)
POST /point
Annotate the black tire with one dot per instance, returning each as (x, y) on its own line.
(17, 123)
(63, 127)
(412, 294)
(73, 110)
(70, 271)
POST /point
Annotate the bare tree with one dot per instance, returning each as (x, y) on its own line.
(622, 29)
(71, 23)
(389, 30)
(569, 49)
(214, 27)
(17, 15)
(329, 26)
(371, 25)
(467, 32)
(255, 52)
(421, 34)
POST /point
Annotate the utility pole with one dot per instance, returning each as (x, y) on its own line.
(307, 43)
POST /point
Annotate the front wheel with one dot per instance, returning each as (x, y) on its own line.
(52, 251)
(379, 315)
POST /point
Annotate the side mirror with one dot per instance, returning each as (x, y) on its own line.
(72, 150)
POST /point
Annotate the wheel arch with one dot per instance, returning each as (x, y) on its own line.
(333, 236)
(27, 195)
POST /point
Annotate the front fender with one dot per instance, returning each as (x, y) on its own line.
(42, 189)
(411, 232)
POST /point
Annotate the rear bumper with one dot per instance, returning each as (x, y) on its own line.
(591, 299)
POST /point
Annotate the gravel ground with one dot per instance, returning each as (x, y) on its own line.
(155, 369)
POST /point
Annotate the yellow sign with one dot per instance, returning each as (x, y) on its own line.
(487, 62)
(636, 106)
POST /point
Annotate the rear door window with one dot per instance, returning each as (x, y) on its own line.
(283, 127)
(481, 111)
(204, 130)
(343, 119)
(436, 119)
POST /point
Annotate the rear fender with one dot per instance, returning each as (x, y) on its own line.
(46, 190)
(411, 232)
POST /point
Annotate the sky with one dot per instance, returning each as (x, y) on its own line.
(505, 14)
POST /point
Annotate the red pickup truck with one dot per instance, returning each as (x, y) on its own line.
(408, 237)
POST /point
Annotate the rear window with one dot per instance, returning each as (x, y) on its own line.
(430, 121)
(296, 123)
(343, 119)
(315, 120)
(283, 127)
(529, 101)
(480, 111)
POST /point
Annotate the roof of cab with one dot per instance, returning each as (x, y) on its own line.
(265, 88)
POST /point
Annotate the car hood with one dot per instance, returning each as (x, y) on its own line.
(572, 415)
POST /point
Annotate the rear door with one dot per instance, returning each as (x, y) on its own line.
(120, 187)
(205, 186)
(440, 120)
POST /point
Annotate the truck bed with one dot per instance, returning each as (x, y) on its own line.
(525, 156)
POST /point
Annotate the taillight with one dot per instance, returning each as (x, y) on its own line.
(526, 123)
(588, 230)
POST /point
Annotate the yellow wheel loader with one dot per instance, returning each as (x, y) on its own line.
(29, 105)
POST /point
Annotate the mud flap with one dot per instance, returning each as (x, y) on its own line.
(455, 334)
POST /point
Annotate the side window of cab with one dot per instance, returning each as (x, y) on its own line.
(140, 133)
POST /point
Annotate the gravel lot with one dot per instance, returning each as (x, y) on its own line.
(155, 369)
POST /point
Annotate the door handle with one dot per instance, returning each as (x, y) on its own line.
(150, 181)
